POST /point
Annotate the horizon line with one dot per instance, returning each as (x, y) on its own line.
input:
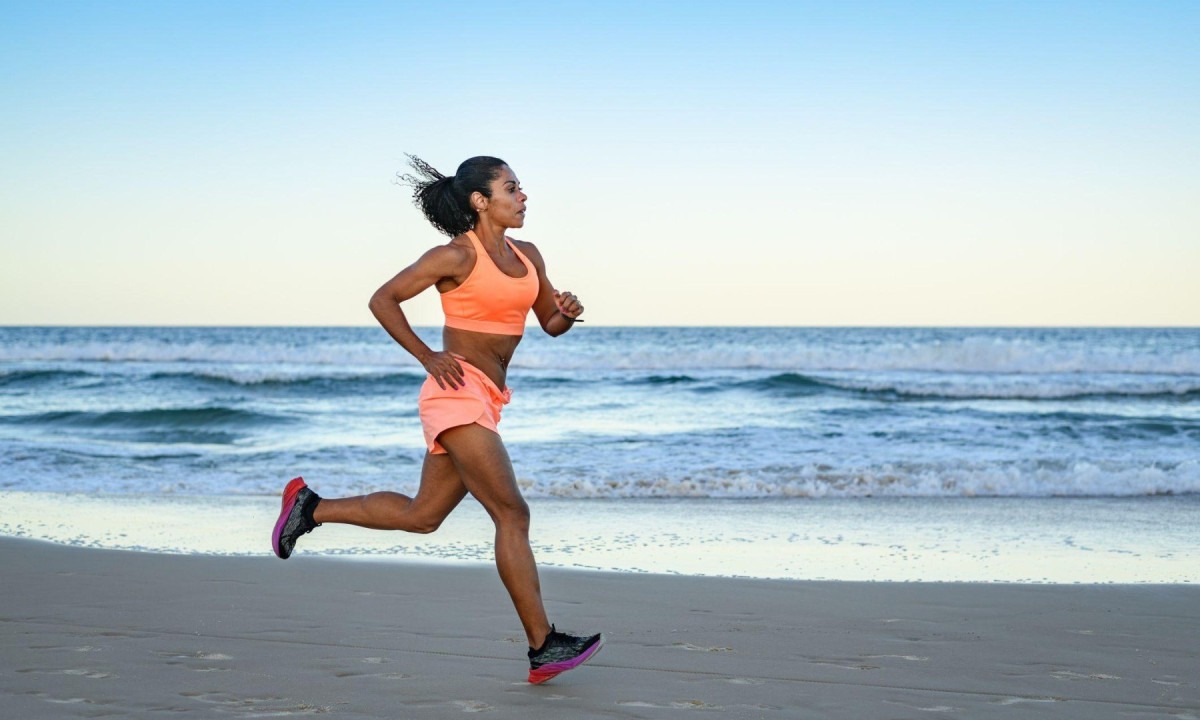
(149, 326)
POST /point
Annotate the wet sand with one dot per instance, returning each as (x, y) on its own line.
(89, 632)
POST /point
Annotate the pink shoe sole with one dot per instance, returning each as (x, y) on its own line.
(289, 499)
(550, 670)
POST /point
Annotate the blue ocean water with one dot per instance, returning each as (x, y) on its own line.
(615, 413)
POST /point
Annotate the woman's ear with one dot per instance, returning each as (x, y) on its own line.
(479, 201)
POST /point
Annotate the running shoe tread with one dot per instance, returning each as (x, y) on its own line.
(561, 652)
(292, 521)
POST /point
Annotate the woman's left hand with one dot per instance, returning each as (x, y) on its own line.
(568, 305)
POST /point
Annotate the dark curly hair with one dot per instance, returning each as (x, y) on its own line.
(445, 201)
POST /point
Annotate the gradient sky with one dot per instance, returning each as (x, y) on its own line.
(688, 163)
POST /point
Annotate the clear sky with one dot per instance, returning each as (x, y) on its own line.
(688, 163)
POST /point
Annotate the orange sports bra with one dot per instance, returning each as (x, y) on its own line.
(489, 301)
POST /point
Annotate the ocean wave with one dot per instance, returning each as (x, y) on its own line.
(620, 350)
(276, 378)
(909, 386)
(157, 419)
(994, 387)
(934, 386)
(35, 378)
(188, 467)
(664, 380)
(150, 351)
(973, 354)
(789, 385)
(266, 377)
(1080, 479)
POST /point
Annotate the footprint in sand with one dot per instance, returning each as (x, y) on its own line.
(701, 648)
(845, 663)
(194, 655)
(74, 700)
(1017, 700)
(931, 709)
(680, 705)
(73, 649)
(1068, 675)
(77, 672)
(265, 706)
(385, 676)
(194, 661)
(91, 674)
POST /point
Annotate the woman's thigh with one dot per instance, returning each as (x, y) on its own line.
(441, 489)
(484, 468)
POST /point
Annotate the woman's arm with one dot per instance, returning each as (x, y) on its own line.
(556, 312)
(445, 261)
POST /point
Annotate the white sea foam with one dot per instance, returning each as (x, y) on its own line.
(269, 374)
(982, 353)
(1023, 386)
(967, 355)
(913, 384)
(205, 352)
(1082, 479)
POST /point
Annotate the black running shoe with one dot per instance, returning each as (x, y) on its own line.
(295, 519)
(561, 652)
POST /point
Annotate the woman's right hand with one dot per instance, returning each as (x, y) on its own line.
(443, 367)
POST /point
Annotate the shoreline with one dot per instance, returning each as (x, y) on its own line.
(435, 563)
(133, 633)
(1150, 540)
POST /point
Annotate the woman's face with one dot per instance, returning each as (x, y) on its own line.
(506, 206)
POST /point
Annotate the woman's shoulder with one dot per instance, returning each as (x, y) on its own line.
(528, 249)
(461, 243)
(451, 255)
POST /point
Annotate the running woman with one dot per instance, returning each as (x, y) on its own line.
(488, 283)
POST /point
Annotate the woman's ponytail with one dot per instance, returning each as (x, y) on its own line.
(445, 200)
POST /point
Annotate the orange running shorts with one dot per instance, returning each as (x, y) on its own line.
(477, 401)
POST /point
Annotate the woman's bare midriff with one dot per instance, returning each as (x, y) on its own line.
(490, 353)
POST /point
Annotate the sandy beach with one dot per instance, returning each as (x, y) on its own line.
(91, 633)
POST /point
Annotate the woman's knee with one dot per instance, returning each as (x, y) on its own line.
(513, 513)
(424, 525)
